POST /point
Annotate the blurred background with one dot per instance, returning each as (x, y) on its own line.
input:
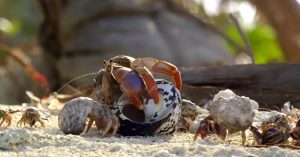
(63, 39)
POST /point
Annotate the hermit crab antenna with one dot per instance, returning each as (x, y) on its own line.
(76, 78)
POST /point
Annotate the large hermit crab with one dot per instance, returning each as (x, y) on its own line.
(143, 105)
(134, 78)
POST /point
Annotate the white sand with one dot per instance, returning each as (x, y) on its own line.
(50, 141)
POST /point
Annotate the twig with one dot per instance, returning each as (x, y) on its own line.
(249, 49)
(278, 145)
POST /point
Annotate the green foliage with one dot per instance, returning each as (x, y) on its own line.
(3, 53)
(263, 42)
(19, 20)
(9, 28)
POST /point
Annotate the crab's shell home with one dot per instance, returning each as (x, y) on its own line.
(156, 119)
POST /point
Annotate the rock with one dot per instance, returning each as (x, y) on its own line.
(12, 137)
(92, 31)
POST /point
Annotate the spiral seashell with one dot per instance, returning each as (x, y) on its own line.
(73, 116)
(161, 118)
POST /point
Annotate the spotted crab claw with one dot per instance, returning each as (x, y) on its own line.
(163, 67)
(73, 116)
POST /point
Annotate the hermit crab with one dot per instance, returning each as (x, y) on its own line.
(207, 126)
(188, 114)
(73, 116)
(275, 130)
(135, 77)
(295, 132)
(126, 88)
(228, 112)
(6, 116)
(30, 116)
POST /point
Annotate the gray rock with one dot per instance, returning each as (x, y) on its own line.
(91, 31)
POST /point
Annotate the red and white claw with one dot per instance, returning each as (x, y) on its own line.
(159, 66)
(149, 81)
(133, 85)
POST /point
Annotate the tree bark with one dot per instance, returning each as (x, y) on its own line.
(270, 85)
(284, 16)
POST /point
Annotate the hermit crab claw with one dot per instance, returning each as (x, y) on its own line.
(159, 66)
(149, 81)
(131, 84)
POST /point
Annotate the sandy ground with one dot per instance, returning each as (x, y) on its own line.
(50, 141)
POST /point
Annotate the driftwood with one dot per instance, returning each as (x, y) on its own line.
(271, 85)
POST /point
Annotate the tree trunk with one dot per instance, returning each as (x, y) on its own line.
(284, 16)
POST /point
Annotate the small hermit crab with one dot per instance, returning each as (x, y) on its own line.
(30, 116)
(228, 112)
(275, 130)
(6, 116)
(295, 133)
(188, 114)
(73, 116)
(271, 134)
(207, 126)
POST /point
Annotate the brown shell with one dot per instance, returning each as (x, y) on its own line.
(73, 116)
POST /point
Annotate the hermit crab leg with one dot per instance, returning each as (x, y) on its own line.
(42, 123)
(90, 123)
(2, 121)
(159, 66)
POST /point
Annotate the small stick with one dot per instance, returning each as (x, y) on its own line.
(248, 49)
(279, 145)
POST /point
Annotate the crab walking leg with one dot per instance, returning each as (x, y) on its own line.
(90, 123)
(116, 124)
(149, 81)
(2, 121)
(169, 70)
(42, 123)
(243, 137)
(159, 66)
(8, 120)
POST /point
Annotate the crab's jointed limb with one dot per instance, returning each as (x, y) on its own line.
(159, 66)
(149, 81)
